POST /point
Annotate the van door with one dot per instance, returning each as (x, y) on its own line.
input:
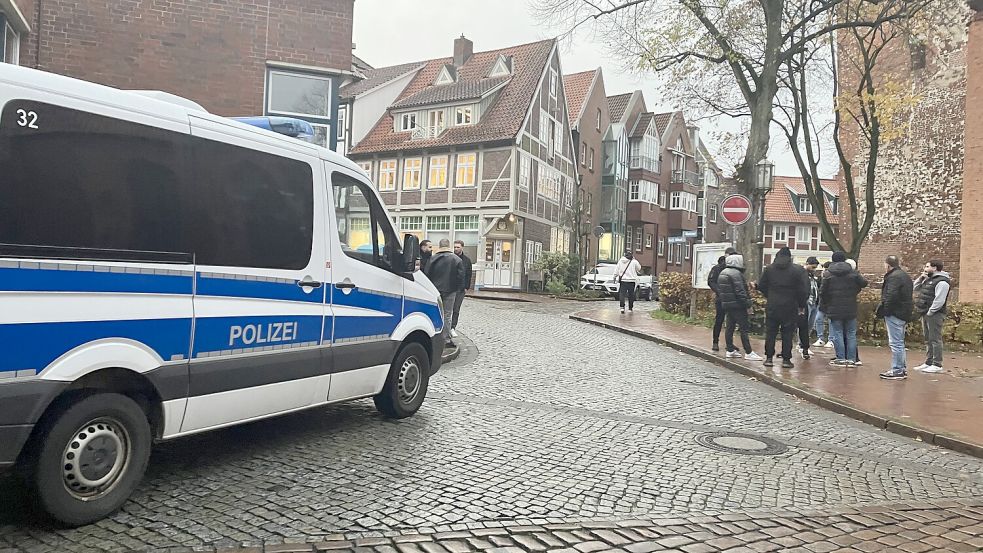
(259, 293)
(94, 265)
(366, 291)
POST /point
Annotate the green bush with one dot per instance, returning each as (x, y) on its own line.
(573, 273)
(553, 266)
(556, 286)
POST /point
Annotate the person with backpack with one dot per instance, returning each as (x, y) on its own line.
(626, 275)
(785, 286)
(932, 288)
(735, 297)
(838, 298)
(896, 309)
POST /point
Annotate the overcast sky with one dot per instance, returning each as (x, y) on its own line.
(390, 32)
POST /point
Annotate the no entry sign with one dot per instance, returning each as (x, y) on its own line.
(736, 209)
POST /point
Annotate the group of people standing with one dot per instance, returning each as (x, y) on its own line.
(801, 299)
(450, 272)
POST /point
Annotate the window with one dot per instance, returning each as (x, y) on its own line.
(553, 139)
(628, 236)
(583, 153)
(467, 229)
(438, 172)
(549, 183)
(677, 201)
(466, 222)
(524, 163)
(462, 115)
(713, 213)
(805, 206)
(684, 201)
(438, 227)
(662, 199)
(688, 250)
(638, 239)
(780, 233)
(407, 122)
(342, 115)
(553, 83)
(11, 43)
(131, 188)
(387, 175)
(662, 247)
(412, 173)
(412, 224)
(544, 127)
(679, 254)
(568, 191)
(648, 241)
(301, 95)
(590, 164)
(644, 191)
(803, 235)
(597, 124)
(466, 165)
(363, 228)
(633, 190)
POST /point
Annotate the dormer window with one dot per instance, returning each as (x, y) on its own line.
(502, 67)
(407, 122)
(463, 115)
(805, 206)
(447, 75)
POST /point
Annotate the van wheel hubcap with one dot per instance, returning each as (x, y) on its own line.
(409, 380)
(95, 458)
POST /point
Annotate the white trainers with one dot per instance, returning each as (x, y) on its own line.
(453, 333)
(734, 354)
(933, 369)
(921, 367)
(858, 363)
(819, 344)
(753, 357)
(622, 309)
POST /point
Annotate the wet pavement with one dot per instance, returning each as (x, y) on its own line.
(946, 403)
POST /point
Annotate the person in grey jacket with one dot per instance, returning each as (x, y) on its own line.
(446, 271)
(735, 297)
(931, 299)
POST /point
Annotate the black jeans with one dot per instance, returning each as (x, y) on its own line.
(627, 290)
(735, 318)
(787, 326)
(805, 331)
(718, 321)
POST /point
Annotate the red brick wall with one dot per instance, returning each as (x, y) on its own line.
(214, 53)
(971, 256)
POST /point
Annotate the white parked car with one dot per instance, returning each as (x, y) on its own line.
(601, 278)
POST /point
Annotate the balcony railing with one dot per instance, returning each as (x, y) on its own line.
(646, 163)
(423, 133)
(686, 177)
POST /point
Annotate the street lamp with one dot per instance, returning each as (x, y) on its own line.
(764, 182)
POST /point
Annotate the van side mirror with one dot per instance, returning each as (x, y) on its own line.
(411, 253)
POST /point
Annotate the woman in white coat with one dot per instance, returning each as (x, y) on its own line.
(626, 275)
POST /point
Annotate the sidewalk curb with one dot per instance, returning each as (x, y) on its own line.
(492, 298)
(448, 357)
(908, 430)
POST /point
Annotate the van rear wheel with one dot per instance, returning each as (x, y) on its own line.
(91, 459)
(406, 385)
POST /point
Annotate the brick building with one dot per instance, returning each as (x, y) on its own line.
(791, 221)
(478, 147)
(288, 57)
(930, 180)
(589, 119)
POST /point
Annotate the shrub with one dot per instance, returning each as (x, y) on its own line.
(573, 273)
(556, 286)
(674, 292)
(554, 266)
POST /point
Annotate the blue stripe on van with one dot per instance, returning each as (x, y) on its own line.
(236, 288)
(53, 280)
(216, 334)
(357, 327)
(35, 345)
(366, 299)
(432, 311)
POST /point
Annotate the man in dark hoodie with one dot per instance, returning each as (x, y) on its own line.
(718, 321)
(896, 307)
(786, 287)
(446, 271)
(736, 300)
(838, 298)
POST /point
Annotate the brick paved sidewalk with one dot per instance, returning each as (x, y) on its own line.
(909, 527)
(940, 408)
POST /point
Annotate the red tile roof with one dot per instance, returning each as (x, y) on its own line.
(618, 104)
(576, 87)
(662, 121)
(376, 77)
(502, 121)
(780, 209)
(641, 125)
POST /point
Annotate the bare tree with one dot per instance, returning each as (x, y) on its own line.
(724, 56)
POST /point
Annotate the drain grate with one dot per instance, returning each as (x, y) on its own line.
(742, 444)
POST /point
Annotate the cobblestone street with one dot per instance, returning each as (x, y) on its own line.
(545, 434)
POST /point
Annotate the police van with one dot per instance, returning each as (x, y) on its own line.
(165, 271)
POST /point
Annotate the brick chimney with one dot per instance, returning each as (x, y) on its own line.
(463, 48)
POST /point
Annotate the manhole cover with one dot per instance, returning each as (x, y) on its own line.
(743, 444)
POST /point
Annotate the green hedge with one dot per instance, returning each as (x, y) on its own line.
(963, 326)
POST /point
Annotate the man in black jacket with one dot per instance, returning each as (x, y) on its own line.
(736, 300)
(787, 290)
(838, 300)
(896, 309)
(718, 321)
(446, 272)
(466, 285)
(426, 252)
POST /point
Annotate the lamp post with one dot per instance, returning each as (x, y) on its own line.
(763, 184)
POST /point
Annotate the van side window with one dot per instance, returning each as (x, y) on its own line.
(360, 219)
(72, 179)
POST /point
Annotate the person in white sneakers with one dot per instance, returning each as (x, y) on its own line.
(736, 300)
(931, 300)
(626, 275)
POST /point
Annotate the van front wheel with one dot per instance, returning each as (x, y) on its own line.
(406, 385)
(92, 458)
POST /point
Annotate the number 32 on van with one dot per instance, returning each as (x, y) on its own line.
(263, 334)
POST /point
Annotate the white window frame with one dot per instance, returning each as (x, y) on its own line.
(662, 246)
(583, 154)
(663, 199)
(463, 116)
(365, 166)
(412, 173)
(525, 164)
(798, 239)
(687, 250)
(7, 57)
(629, 233)
(784, 233)
(638, 238)
(467, 223)
(648, 241)
(553, 82)
(634, 190)
(269, 93)
(676, 201)
(713, 213)
(411, 223)
(597, 125)
(805, 206)
(439, 223)
(407, 122)
(440, 169)
(590, 164)
(472, 163)
(387, 174)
